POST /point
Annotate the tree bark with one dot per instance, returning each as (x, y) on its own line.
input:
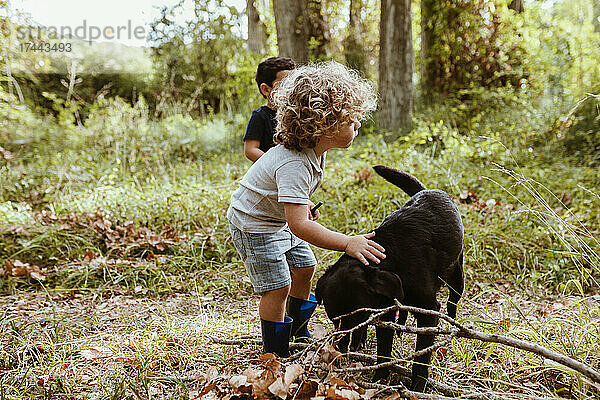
(396, 64)
(292, 37)
(257, 32)
(517, 5)
(353, 49)
(596, 15)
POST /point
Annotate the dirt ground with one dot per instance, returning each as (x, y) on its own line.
(92, 339)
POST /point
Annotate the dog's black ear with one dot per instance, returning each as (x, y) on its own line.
(318, 289)
(387, 284)
(318, 297)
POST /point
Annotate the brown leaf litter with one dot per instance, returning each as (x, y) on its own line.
(20, 269)
(120, 238)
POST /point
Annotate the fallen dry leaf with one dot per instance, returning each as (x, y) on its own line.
(271, 362)
(260, 379)
(441, 353)
(207, 388)
(279, 388)
(292, 372)
(96, 352)
(334, 393)
(20, 269)
(364, 175)
(307, 390)
(240, 384)
(330, 353)
(212, 374)
(88, 256)
(318, 331)
(129, 361)
(334, 380)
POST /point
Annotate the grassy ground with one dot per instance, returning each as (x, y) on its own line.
(118, 264)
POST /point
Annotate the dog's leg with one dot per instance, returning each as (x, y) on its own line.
(352, 341)
(420, 369)
(385, 339)
(402, 315)
(456, 285)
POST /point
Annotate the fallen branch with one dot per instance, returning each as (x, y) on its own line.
(457, 330)
(469, 333)
(396, 362)
(402, 371)
(241, 340)
(403, 391)
(247, 339)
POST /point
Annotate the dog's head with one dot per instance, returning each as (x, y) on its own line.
(350, 286)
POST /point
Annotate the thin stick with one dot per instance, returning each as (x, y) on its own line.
(396, 362)
(469, 333)
(403, 391)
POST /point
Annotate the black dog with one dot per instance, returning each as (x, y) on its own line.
(424, 249)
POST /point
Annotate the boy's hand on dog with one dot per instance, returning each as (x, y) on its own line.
(361, 248)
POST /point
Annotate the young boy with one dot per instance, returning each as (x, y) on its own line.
(261, 127)
(318, 108)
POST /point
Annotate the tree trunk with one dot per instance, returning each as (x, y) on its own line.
(257, 32)
(353, 50)
(596, 15)
(396, 63)
(517, 5)
(292, 38)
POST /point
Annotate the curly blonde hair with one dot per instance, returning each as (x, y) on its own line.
(314, 100)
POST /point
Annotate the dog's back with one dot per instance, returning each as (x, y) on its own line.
(426, 236)
(423, 240)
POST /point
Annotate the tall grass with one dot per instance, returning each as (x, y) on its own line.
(179, 172)
(531, 230)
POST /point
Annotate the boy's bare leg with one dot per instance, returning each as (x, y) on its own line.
(301, 281)
(272, 304)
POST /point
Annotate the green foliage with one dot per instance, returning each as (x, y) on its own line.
(112, 156)
(202, 65)
(582, 137)
(148, 174)
(561, 49)
(475, 45)
(116, 143)
(97, 70)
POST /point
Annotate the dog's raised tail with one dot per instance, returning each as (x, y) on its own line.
(403, 180)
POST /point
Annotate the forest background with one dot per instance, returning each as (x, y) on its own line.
(117, 163)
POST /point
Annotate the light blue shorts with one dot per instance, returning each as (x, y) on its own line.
(268, 257)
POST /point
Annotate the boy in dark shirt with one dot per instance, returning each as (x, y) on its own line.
(261, 127)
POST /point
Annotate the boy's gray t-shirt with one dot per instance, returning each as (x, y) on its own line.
(278, 176)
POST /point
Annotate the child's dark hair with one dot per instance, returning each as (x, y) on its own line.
(268, 69)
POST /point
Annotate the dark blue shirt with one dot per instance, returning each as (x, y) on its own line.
(262, 127)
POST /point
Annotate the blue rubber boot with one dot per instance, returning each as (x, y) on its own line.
(301, 310)
(276, 336)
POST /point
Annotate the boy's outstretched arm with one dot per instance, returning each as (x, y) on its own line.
(359, 247)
